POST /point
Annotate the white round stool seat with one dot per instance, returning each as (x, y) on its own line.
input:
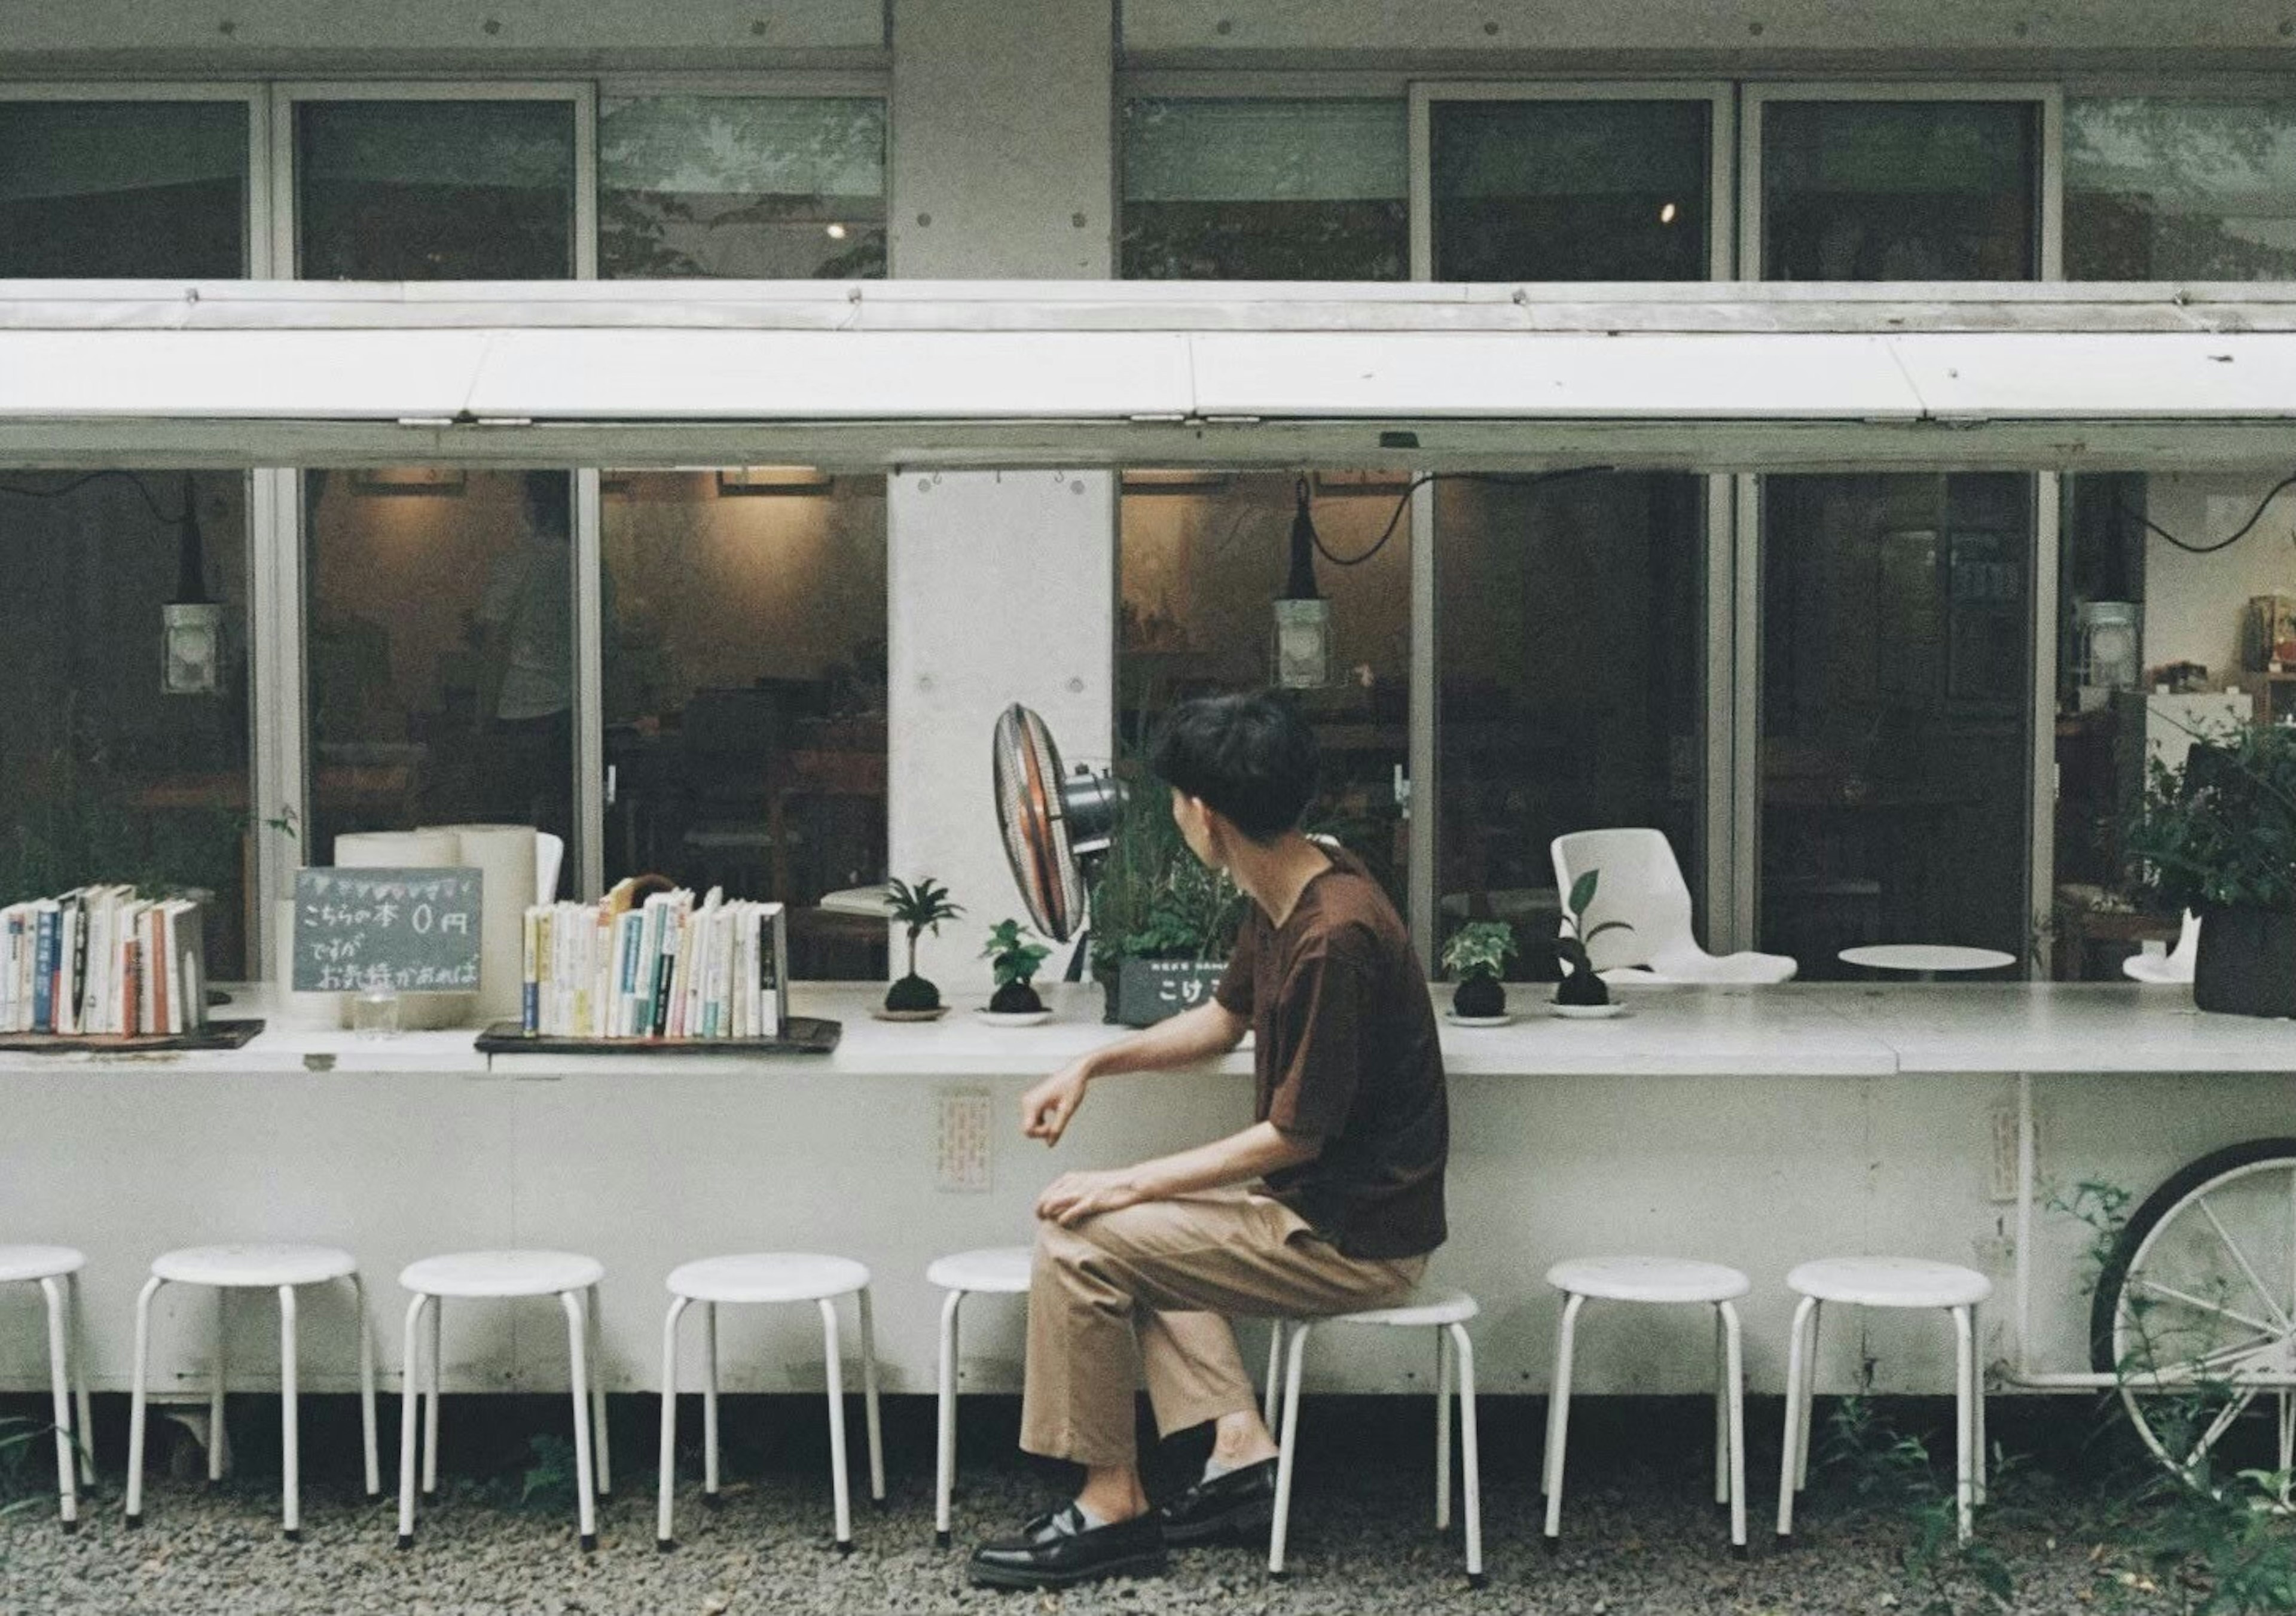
(1890, 1281)
(502, 1274)
(262, 1265)
(39, 1262)
(1648, 1279)
(1442, 1307)
(761, 1276)
(997, 1270)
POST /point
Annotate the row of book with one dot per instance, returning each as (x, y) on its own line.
(660, 966)
(102, 960)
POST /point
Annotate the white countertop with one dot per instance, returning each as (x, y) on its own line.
(1794, 1029)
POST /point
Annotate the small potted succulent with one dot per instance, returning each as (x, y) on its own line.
(1580, 988)
(1013, 956)
(921, 909)
(1476, 955)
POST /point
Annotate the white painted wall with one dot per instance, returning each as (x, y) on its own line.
(2193, 604)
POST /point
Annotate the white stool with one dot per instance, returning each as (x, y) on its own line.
(56, 1270)
(758, 1277)
(253, 1268)
(991, 1271)
(502, 1276)
(1663, 1282)
(1446, 1313)
(1887, 1282)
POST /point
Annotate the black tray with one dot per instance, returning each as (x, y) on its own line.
(214, 1034)
(800, 1035)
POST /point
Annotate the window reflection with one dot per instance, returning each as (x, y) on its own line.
(103, 777)
(2167, 189)
(123, 189)
(745, 638)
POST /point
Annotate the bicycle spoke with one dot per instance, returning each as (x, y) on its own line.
(2287, 1443)
(2172, 1294)
(2241, 1257)
(2217, 1427)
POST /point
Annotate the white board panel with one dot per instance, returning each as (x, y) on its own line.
(336, 375)
(2095, 375)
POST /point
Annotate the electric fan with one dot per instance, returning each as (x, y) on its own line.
(1053, 823)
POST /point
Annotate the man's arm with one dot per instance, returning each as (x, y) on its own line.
(1210, 1029)
(1239, 1159)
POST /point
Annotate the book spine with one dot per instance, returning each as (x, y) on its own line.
(529, 997)
(132, 991)
(44, 975)
(163, 953)
(664, 968)
(74, 967)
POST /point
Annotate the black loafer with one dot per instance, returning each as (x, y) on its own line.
(1059, 1550)
(1239, 1503)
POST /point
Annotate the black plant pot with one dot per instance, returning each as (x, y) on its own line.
(1582, 988)
(2247, 962)
(1478, 997)
(1015, 998)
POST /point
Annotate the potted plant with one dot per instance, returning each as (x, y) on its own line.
(1013, 957)
(1477, 954)
(921, 909)
(1162, 924)
(1580, 988)
(2218, 836)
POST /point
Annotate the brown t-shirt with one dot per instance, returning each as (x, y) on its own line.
(1347, 1052)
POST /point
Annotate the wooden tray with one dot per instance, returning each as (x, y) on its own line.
(800, 1035)
(214, 1034)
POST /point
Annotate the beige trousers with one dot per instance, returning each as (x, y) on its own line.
(1153, 1287)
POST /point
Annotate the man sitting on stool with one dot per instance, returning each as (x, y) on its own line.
(1328, 1203)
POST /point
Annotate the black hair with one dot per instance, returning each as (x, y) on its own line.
(1251, 758)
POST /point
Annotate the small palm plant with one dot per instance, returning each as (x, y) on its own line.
(1581, 984)
(921, 909)
(1013, 956)
(1477, 954)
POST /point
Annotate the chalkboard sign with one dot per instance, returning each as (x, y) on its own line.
(1148, 990)
(416, 931)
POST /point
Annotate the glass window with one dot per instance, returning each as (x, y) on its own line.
(105, 774)
(1894, 759)
(439, 655)
(1570, 190)
(123, 189)
(1205, 556)
(1900, 190)
(1572, 662)
(435, 190)
(2173, 190)
(754, 189)
(744, 634)
(2154, 643)
(1265, 191)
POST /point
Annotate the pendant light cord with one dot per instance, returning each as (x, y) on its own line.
(1518, 480)
(78, 483)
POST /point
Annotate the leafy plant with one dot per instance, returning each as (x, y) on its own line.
(920, 908)
(1012, 955)
(1582, 986)
(2220, 831)
(1479, 949)
(1891, 1471)
(1152, 898)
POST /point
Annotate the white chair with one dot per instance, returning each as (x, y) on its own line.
(991, 1271)
(549, 856)
(504, 1277)
(283, 1269)
(766, 1277)
(2174, 966)
(1642, 885)
(55, 1269)
(1446, 1313)
(1886, 1282)
(1662, 1282)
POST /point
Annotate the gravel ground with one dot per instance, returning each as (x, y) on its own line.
(1637, 1539)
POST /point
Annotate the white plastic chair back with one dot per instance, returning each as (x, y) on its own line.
(549, 855)
(1640, 884)
(2176, 966)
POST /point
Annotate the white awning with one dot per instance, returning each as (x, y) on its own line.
(1723, 377)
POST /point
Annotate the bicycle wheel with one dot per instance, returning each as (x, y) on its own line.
(2195, 1312)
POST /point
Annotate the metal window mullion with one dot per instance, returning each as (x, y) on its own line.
(281, 788)
(1715, 794)
(1421, 768)
(2049, 491)
(1746, 714)
(589, 760)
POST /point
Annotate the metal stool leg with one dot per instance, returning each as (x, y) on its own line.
(1733, 1392)
(60, 1392)
(577, 1331)
(410, 1409)
(1471, 1475)
(1275, 1388)
(360, 1322)
(1964, 1364)
(84, 1430)
(1809, 1392)
(1442, 1430)
(837, 1483)
(664, 1526)
(600, 1437)
(134, 1511)
(945, 1443)
(709, 1404)
(869, 1400)
(1721, 1412)
(218, 1444)
(1976, 1392)
(1558, 1416)
(435, 1369)
(291, 1447)
(1797, 1413)
(1287, 1458)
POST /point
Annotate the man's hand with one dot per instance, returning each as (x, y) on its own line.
(1045, 1109)
(1073, 1197)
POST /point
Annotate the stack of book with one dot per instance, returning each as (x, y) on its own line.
(100, 960)
(663, 967)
